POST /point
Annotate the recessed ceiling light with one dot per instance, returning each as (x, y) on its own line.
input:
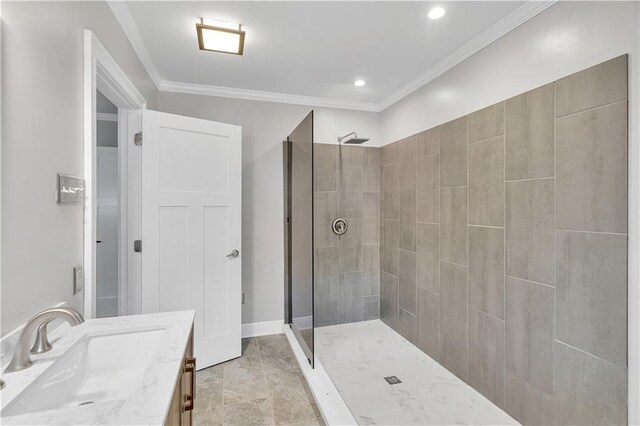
(359, 83)
(218, 36)
(436, 13)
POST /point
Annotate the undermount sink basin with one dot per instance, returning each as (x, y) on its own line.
(99, 367)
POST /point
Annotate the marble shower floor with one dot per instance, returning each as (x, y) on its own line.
(358, 356)
(265, 386)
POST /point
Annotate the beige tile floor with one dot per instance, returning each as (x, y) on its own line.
(265, 386)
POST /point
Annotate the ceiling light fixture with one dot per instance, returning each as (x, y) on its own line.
(218, 36)
(436, 13)
(359, 83)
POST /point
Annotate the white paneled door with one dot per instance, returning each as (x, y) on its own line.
(191, 227)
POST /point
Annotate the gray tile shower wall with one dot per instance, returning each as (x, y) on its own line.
(504, 248)
(347, 268)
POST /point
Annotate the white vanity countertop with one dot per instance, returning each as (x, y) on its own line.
(147, 404)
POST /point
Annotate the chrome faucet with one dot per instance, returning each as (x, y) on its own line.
(21, 356)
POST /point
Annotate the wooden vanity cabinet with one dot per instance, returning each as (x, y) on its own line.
(184, 393)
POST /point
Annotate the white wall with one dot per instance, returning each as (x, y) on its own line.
(264, 126)
(42, 134)
(564, 39)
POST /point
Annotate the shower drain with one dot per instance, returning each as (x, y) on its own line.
(393, 380)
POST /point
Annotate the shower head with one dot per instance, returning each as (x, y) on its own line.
(352, 138)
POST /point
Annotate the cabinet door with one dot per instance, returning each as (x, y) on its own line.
(188, 383)
(183, 400)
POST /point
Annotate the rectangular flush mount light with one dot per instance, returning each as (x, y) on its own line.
(217, 36)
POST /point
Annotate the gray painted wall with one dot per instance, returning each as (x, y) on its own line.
(42, 134)
(512, 269)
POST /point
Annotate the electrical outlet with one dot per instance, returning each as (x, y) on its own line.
(78, 279)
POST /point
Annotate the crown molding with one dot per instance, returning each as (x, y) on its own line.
(482, 40)
(130, 28)
(105, 116)
(259, 95)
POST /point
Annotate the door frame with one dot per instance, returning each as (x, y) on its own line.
(101, 72)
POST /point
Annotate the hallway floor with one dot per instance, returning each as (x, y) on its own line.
(265, 386)
(359, 356)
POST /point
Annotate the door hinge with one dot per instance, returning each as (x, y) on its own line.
(137, 139)
(137, 246)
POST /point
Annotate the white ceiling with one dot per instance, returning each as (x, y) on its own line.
(314, 49)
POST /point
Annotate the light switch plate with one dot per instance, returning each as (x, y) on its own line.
(70, 190)
(78, 279)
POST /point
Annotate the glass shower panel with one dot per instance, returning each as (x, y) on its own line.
(300, 240)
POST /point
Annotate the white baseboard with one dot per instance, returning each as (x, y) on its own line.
(304, 323)
(333, 408)
(264, 328)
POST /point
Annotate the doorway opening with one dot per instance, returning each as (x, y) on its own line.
(108, 284)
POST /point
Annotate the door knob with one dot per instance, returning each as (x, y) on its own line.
(234, 253)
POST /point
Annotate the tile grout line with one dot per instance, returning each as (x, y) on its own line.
(582, 351)
(529, 179)
(572, 114)
(555, 246)
(264, 377)
(504, 255)
(466, 231)
(529, 281)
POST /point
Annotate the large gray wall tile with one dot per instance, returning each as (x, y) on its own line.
(388, 153)
(452, 344)
(428, 322)
(371, 307)
(389, 300)
(588, 390)
(486, 182)
(486, 270)
(529, 143)
(591, 167)
(350, 300)
(529, 323)
(390, 193)
(595, 86)
(350, 191)
(350, 246)
(407, 275)
(407, 163)
(326, 273)
(591, 312)
(325, 312)
(408, 326)
(453, 225)
(389, 261)
(453, 153)
(428, 257)
(371, 218)
(428, 189)
(526, 403)
(529, 230)
(486, 123)
(350, 155)
(371, 169)
(408, 220)
(371, 269)
(325, 210)
(428, 142)
(486, 355)
(325, 167)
